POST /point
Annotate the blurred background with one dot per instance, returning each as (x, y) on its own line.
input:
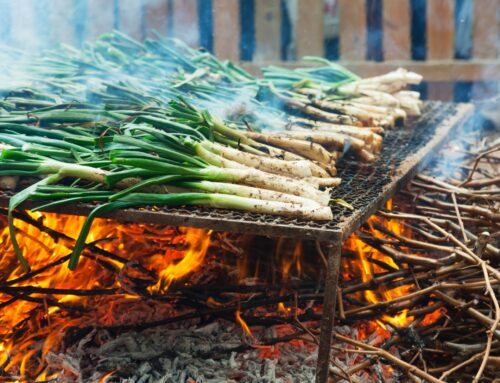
(453, 43)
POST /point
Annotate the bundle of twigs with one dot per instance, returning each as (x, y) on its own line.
(443, 258)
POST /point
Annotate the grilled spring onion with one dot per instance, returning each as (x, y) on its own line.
(329, 93)
(27, 164)
(221, 155)
(233, 157)
(245, 176)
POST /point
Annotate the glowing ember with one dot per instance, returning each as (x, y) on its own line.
(432, 317)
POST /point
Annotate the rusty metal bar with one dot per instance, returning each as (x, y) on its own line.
(327, 321)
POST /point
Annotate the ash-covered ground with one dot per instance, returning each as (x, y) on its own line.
(188, 353)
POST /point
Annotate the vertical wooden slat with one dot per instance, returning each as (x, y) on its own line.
(60, 23)
(130, 18)
(352, 29)
(485, 32)
(440, 29)
(24, 33)
(226, 21)
(100, 18)
(156, 13)
(440, 42)
(396, 21)
(309, 29)
(267, 30)
(185, 21)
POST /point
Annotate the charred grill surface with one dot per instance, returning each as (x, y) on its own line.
(365, 186)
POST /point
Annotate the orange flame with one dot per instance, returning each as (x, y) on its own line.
(289, 262)
(367, 269)
(199, 241)
(171, 254)
(283, 309)
(242, 323)
(104, 378)
(167, 252)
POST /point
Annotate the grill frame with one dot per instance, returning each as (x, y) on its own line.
(428, 132)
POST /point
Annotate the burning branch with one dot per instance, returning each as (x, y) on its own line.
(444, 254)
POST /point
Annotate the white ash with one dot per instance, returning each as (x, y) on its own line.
(206, 354)
(181, 355)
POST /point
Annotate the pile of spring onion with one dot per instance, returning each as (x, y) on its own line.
(125, 124)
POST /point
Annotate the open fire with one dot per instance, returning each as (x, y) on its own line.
(133, 275)
(37, 308)
(371, 262)
(157, 301)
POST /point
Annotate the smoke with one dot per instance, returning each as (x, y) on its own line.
(37, 27)
(32, 25)
(463, 144)
(243, 108)
(36, 24)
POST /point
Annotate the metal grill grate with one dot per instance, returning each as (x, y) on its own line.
(365, 186)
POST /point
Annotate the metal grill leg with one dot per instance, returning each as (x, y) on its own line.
(330, 298)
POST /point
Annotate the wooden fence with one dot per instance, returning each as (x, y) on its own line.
(222, 24)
